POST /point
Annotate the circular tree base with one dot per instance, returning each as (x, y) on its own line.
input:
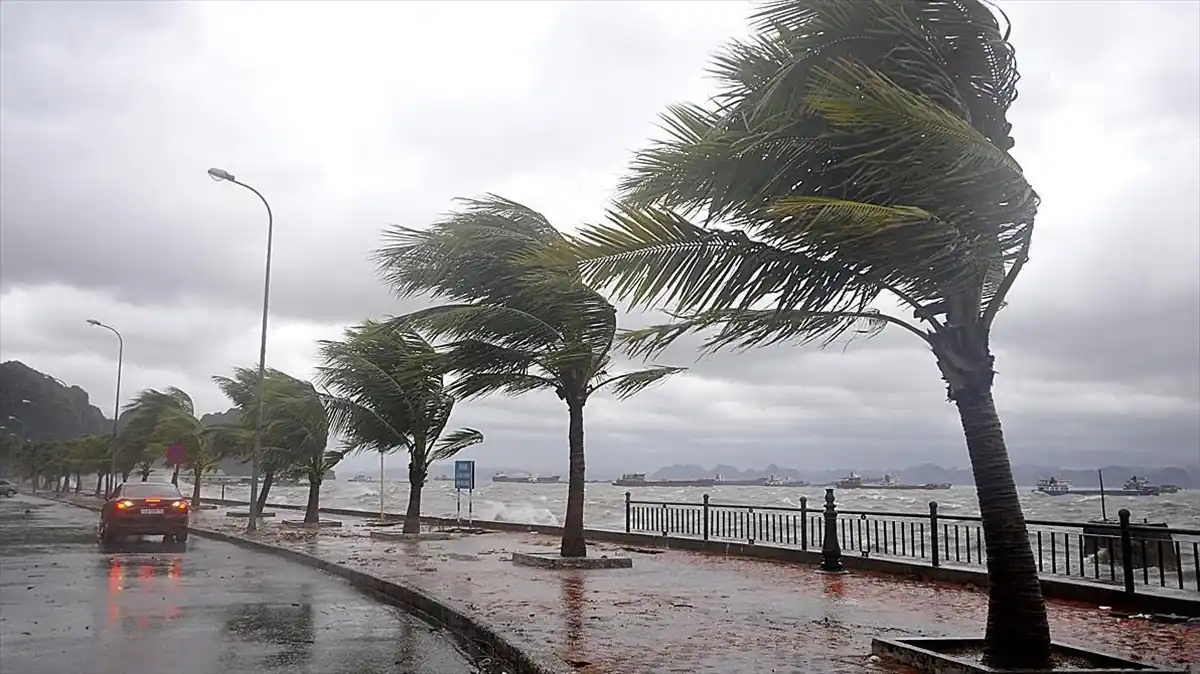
(401, 536)
(943, 655)
(553, 560)
(301, 524)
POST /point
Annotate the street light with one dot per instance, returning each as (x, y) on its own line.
(220, 175)
(112, 466)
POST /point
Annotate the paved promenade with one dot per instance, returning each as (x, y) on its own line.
(694, 613)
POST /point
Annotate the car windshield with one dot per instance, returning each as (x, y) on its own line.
(149, 490)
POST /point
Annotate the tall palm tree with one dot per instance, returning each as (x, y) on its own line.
(296, 430)
(857, 150)
(386, 394)
(513, 326)
(242, 390)
(159, 419)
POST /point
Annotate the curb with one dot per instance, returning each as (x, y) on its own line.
(525, 658)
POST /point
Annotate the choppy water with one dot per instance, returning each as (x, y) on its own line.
(605, 508)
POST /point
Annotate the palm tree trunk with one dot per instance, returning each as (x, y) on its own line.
(416, 482)
(99, 484)
(78, 483)
(312, 512)
(1018, 633)
(573, 543)
(196, 476)
(268, 479)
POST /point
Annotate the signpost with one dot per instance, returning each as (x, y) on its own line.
(464, 478)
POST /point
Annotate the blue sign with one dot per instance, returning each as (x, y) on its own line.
(464, 475)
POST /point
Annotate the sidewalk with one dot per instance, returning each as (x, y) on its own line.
(694, 613)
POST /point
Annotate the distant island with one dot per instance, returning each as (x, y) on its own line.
(1027, 475)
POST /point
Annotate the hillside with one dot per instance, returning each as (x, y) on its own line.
(37, 406)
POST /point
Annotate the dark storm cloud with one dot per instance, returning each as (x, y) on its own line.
(112, 112)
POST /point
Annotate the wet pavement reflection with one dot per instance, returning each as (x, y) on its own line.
(690, 613)
(207, 607)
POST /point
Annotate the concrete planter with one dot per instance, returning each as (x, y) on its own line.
(553, 560)
(245, 515)
(948, 655)
(385, 535)
(301, 524)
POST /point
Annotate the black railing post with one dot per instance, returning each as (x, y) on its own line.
(628, 513)
(803, 522)
(831, 550)
(705, 509)
(933, 534)
(1126, 550)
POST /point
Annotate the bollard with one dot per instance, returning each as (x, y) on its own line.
(1126, 550)
(627, 513)
(705, 509)
(933, 533)
(831, 550)
(803, 522)
(864, 531)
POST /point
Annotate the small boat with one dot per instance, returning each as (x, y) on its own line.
(639, 480)
(1052, 486)
(361, 478)
(1170, 489)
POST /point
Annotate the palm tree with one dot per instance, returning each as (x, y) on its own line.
(387, 393)
(295, 429)
(515, 326)
(242, 389)
(161, 418)
(857, 150)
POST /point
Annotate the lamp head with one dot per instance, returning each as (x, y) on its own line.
(219, 174)
(92, 321)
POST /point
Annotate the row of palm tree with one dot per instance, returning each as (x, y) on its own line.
(856, 159)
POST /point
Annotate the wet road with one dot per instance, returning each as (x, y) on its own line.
(213, 608)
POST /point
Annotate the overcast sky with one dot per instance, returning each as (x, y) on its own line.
(351, 116)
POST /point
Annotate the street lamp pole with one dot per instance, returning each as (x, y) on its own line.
(112, 466)
(252, 521)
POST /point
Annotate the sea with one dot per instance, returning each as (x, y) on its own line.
(605, 504)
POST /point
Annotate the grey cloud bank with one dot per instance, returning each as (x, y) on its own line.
(350, 117)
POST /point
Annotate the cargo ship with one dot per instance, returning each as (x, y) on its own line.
(1134, 486)
(854, 481)
(639, 480)
(526, 479)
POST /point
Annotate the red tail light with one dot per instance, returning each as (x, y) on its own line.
(124, 504)
(182, 505)
(153, 500)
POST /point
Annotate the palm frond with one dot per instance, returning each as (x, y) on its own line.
(454, 442)
(744, 329)
(630, 383)
(475, 385)
(501, 325)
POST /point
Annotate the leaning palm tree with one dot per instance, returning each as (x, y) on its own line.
(162, 418)
(297, 429)
(387, 393)
(857, 151)
(242, 390)
(513, 326)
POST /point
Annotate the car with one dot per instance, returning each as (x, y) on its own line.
(7, 488)
(145, 509)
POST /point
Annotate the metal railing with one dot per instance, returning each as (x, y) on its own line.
(1119, 552)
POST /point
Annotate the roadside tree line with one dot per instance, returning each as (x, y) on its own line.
(856, 152)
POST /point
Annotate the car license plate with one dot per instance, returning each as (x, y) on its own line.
(152, 511)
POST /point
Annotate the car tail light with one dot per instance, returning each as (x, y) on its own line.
(153, 500)
(182, 505)
(124, 504)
